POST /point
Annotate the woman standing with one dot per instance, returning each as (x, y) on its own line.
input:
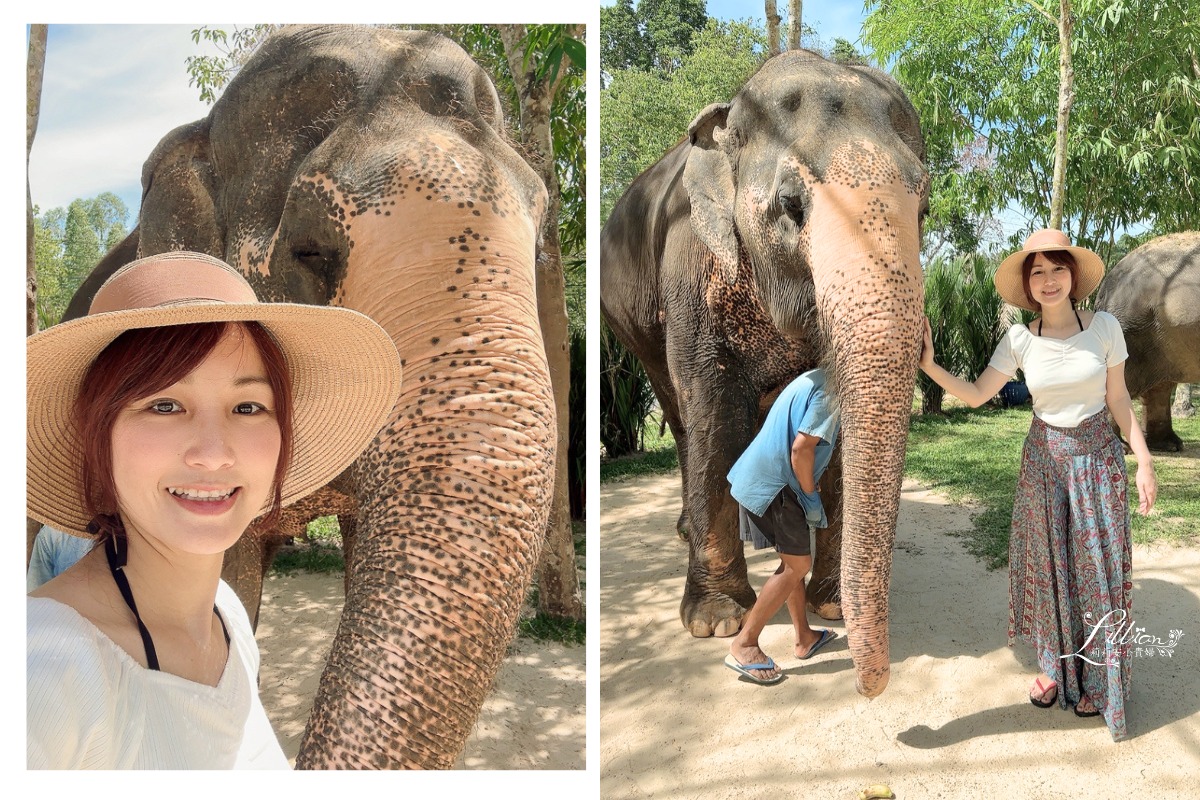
(162, 424)
(1070, 568)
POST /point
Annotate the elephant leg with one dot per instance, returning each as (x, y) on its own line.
(824, 595)
(664, 390)
(1159, 433)
(717, 593)
(243, 570)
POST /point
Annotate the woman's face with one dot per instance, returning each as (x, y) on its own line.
(193, 463)
(1049, 283)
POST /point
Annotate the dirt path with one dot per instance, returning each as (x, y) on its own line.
(953, 722)
(533, 719)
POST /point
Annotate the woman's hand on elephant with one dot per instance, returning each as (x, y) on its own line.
(927, 354)
(1147, 486)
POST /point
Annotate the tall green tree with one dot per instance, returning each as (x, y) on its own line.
(68, 243)
(995, 69)
(653, 36)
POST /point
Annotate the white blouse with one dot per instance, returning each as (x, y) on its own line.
(91, 706)
(1067, 377)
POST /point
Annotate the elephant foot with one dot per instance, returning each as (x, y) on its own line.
(1165, 443)
(714, 613)
(828, 610)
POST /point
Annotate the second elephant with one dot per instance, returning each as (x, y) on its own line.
(1154, 292)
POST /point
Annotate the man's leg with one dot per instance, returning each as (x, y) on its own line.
(806, 637)
(775, 592)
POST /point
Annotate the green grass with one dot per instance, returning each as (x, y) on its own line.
(544, 627)
(658, 457)
(309, 557)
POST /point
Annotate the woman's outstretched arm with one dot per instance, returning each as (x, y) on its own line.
(973, 394)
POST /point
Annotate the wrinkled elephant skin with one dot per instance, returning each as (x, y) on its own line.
(1154, 292)
(782, 234)
(366, 168)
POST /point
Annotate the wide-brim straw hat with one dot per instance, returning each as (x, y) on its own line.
(344, 368)
(1089, 268)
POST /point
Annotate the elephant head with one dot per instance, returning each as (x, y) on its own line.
(367, 168)
(811, 179)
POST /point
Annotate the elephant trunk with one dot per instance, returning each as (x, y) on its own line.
(453, 497)
(870, 295)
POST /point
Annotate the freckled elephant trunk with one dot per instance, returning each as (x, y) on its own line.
(870, 295)
(453, 498)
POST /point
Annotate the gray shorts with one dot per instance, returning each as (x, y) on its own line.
(783, 525)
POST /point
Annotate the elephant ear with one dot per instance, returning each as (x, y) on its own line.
(708, 181)
(178, 195)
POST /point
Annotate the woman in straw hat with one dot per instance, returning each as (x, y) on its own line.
(161, 425)
(1070, 571)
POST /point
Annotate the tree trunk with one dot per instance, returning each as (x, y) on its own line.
(1182, 407)
(557, 581)
(1066, 97)
(35, 68)
(795, 7)
(772, 28)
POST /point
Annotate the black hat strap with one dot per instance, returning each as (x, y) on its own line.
(116, 564)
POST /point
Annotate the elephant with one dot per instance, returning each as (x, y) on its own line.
(1154, 292)
(368, 168)
(782, 233)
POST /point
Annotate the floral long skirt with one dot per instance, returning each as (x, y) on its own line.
(1070, 567)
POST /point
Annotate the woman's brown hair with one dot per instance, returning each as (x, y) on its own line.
(143, 361)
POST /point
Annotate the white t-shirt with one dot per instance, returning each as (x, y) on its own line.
(91, 706)
(1067, 377)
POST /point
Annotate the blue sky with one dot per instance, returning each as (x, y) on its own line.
(110, 93)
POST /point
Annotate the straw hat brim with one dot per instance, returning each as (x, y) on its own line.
(1089, 272)
(345, 376)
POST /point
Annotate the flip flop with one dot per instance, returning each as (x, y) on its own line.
(744, 670)
(1093, 713)
(827, 636)
(1042, 701)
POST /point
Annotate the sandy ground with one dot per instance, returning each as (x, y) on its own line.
(533, 719)
(954, 721)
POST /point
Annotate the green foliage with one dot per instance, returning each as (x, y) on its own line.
(643, 114)
(626, 397)
(68, 243)
(210, 74)
(659, 454)
(978, 68)
(655, 36)
(964, 317)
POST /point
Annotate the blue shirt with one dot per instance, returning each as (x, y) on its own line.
(765, 467)
(53, 552)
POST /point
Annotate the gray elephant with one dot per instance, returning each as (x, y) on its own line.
(1155, 293)
(783, 232)
(368, 168)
